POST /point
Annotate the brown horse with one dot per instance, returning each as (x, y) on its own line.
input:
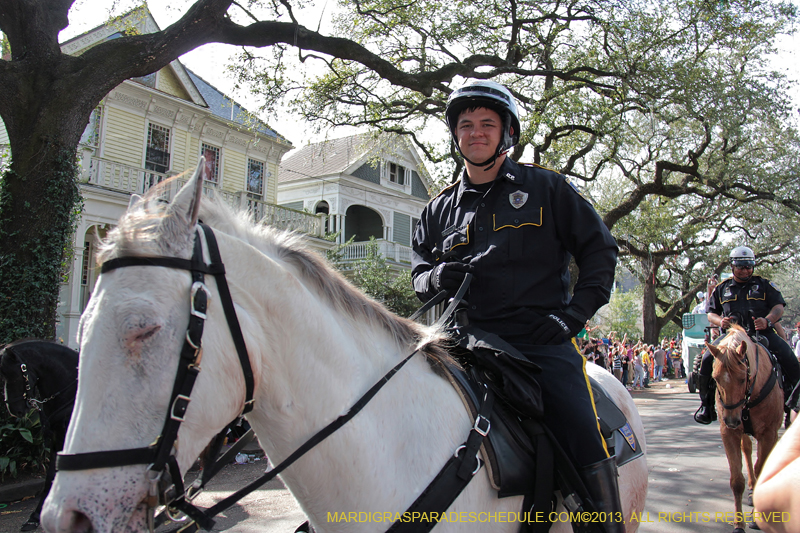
(749, 402)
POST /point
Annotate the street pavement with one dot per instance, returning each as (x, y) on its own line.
(688, 478)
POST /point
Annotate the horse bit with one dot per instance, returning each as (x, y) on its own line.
(168, 490)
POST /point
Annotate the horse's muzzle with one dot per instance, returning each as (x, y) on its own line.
(733, 422)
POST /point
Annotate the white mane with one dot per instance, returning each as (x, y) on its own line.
(148, 228)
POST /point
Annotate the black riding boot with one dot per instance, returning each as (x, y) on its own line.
(790, 395)
(601, 481)
(706, 414)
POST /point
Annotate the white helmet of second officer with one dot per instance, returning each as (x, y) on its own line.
(743, 261)
(743, 256)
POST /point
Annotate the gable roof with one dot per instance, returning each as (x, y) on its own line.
(142, 21)
(226, 108)
(345, 155)
(200, 91)
(333, 156)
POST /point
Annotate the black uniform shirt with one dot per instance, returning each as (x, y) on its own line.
(519, 236)
(754, 298)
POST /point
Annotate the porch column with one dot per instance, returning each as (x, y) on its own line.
(341, 227)
(70, 294)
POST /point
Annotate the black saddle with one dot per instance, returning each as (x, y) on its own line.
(508, 451)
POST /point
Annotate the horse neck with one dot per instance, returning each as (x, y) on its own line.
(313, 361)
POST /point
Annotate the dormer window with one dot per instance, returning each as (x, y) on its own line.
(397, 173)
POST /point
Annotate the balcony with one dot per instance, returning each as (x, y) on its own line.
(392, 251)
(132, 180)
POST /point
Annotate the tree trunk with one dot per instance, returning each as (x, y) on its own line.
(649, 319)
(39, 206)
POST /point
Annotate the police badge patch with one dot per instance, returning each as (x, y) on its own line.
(627, 432)
(517, 199)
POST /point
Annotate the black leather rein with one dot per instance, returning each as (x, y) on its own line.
(159, 454)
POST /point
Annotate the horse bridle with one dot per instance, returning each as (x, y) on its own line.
(28, 395)
(158, 455)
(751, 381)
(27, 390)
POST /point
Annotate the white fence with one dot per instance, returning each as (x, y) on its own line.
(392, 251)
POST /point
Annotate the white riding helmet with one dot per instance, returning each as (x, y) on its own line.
(743, 256)
(491, 95)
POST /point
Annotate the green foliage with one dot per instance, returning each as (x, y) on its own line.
(374, 276)
(623, 313)
(669, 331)
(33, 271)
(336, 254)
(21, 445)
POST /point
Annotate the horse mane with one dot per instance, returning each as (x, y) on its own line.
(149, 228)
(736, 336)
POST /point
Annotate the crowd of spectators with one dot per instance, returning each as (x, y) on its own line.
(635, 364)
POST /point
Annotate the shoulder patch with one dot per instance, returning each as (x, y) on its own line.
(574, 187)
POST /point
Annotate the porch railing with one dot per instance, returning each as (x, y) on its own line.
(133, 180)
(392, 251)
(119, 177)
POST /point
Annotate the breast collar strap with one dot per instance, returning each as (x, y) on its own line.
(159, 454)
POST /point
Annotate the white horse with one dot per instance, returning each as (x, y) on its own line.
(315, 344)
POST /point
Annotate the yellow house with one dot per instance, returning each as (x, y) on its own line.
(152, 128)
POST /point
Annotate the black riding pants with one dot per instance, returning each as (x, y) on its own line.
(789, 364)
(569, 409)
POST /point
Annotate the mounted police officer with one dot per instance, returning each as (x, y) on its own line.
(515, 227)
(756, 304)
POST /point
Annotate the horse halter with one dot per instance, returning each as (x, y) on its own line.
(158, 455)
(27, 390)
(749, 389)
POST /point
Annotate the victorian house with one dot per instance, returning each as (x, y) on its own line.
(150, 129)
(367, 187)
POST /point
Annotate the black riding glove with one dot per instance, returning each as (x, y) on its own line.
(555, 328)
(449, 276)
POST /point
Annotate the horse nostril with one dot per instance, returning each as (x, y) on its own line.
(79, 523)
(733, 424)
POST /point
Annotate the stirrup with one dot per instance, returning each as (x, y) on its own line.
(697, 416)
(30, 525)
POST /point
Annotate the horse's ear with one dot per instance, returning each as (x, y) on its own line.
(742, 350)
(186, 203)
(135, 199)
(716, 352)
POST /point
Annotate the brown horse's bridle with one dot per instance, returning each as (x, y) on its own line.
(745, 402)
